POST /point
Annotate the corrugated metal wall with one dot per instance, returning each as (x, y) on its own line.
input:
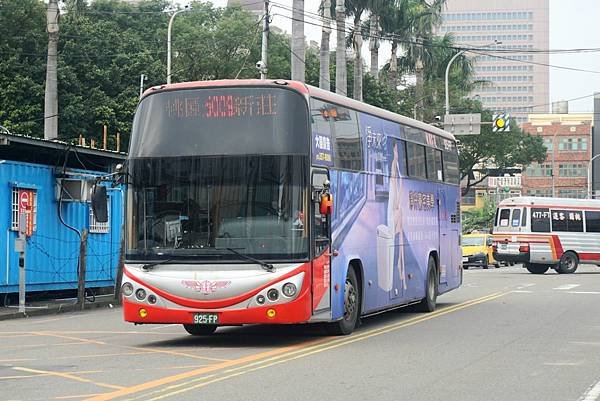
(53, 249)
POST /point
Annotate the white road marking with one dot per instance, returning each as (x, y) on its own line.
(522, 291)
(592, 394)
(567, 286)
(585, 343)
(583, 292)
(562, 363)
(163, 326)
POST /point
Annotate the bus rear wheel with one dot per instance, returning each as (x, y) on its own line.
(537, 269)
(428, 303)
(352, 298)
(200, 329)
(568, 263)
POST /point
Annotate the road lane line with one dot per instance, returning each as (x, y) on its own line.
(196, 372)
(70, 397)
(68, 376)
(566, 287)
(326, 344)
(162, 351)
(83, 372)
(522, 292)
(593, 393)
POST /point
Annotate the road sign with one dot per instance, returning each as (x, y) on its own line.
(463, 124)
(26, 210)
(501, 123)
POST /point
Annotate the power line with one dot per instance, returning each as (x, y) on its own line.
(533, 62)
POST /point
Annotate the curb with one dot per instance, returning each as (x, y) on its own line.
(55, 309)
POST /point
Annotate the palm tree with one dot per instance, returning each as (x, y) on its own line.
(324, 79)
(298, 44)
(356, 8)
(426, 17)
(395, 24)
(341, 83)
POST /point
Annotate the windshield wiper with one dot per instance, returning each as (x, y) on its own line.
(151, 265)
(267, 266)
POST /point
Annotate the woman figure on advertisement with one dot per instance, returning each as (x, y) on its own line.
(395, 211)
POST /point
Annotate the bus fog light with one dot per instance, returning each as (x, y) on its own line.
(127, 289)
(289, 289)
(151, 299)
(273, 294)
(143, 313)
(140, 294)
(260, 299)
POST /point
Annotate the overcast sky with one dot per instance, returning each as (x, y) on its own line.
(573, 24)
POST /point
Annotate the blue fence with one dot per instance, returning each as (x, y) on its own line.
(52, 251)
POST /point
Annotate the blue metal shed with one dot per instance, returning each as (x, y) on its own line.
(52, 251)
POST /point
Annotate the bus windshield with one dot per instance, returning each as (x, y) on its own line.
(218, 168)
(200, 206)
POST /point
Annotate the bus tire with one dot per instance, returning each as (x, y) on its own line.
(536, 268)
(568, 263)
(352, 297)
(428, 303)
(200, 329)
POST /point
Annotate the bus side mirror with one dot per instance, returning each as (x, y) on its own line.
(99, 203)
(326, 204)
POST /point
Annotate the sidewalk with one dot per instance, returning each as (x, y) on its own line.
(55, 306)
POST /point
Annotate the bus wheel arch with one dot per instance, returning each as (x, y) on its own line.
(569, 261)
(357, 266)
(352, 303)
(436, 258)
(428, 303)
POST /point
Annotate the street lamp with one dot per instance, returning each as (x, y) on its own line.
(448, 71)
(589, 176)
(169, 42)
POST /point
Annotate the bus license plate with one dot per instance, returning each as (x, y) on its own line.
(206, 318)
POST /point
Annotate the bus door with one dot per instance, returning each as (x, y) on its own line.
(321, 244)
(445, 237)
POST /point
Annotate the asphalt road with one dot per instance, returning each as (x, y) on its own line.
(504, 335)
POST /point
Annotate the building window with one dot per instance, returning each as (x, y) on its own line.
(572, 144)
(548, 144)
(572, 170)
(95, 226)
(539, 170)
(14, 224)
(574, 193)
(540, 192)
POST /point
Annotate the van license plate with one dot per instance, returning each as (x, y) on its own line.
(503, 247)
(206, 318)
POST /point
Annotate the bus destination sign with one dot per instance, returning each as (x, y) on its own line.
(222, 106)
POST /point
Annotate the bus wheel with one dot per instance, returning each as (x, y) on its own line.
(537, 269)
(200, 329)
(428, 303)
(347, 324)
(568, 263)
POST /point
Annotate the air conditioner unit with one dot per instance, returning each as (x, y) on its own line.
(72, 190)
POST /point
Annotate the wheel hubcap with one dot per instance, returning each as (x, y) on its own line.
(349, 300)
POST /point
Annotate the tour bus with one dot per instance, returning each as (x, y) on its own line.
(262, 202)
(545, 233)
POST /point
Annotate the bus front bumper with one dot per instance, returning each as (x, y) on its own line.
(296, 311)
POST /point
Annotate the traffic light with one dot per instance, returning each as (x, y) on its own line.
(501, 123)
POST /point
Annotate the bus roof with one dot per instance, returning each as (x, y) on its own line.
(540, 201)
(305, 90)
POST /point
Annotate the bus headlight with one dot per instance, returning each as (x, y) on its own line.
(289, 289)
(127, 289)
(273, 295)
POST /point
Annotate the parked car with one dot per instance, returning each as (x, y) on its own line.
(477, 251)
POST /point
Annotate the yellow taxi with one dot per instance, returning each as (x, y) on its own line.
(477, 250)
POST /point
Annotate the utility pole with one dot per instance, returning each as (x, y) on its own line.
(298, 44)
(82, 269)
(142, 79)
(51, 94)
(262, 64)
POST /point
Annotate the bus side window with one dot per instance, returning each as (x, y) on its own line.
(540, 220)
(524, 217)
(504, 217)
(592, 222)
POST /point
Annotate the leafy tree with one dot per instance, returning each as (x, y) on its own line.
(480, 218)
(492, 151)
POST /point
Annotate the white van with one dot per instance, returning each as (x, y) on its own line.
(547, 232)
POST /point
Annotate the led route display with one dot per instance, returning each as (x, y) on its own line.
(222, 106)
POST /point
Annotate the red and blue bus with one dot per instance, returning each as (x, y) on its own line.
(274, 202)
